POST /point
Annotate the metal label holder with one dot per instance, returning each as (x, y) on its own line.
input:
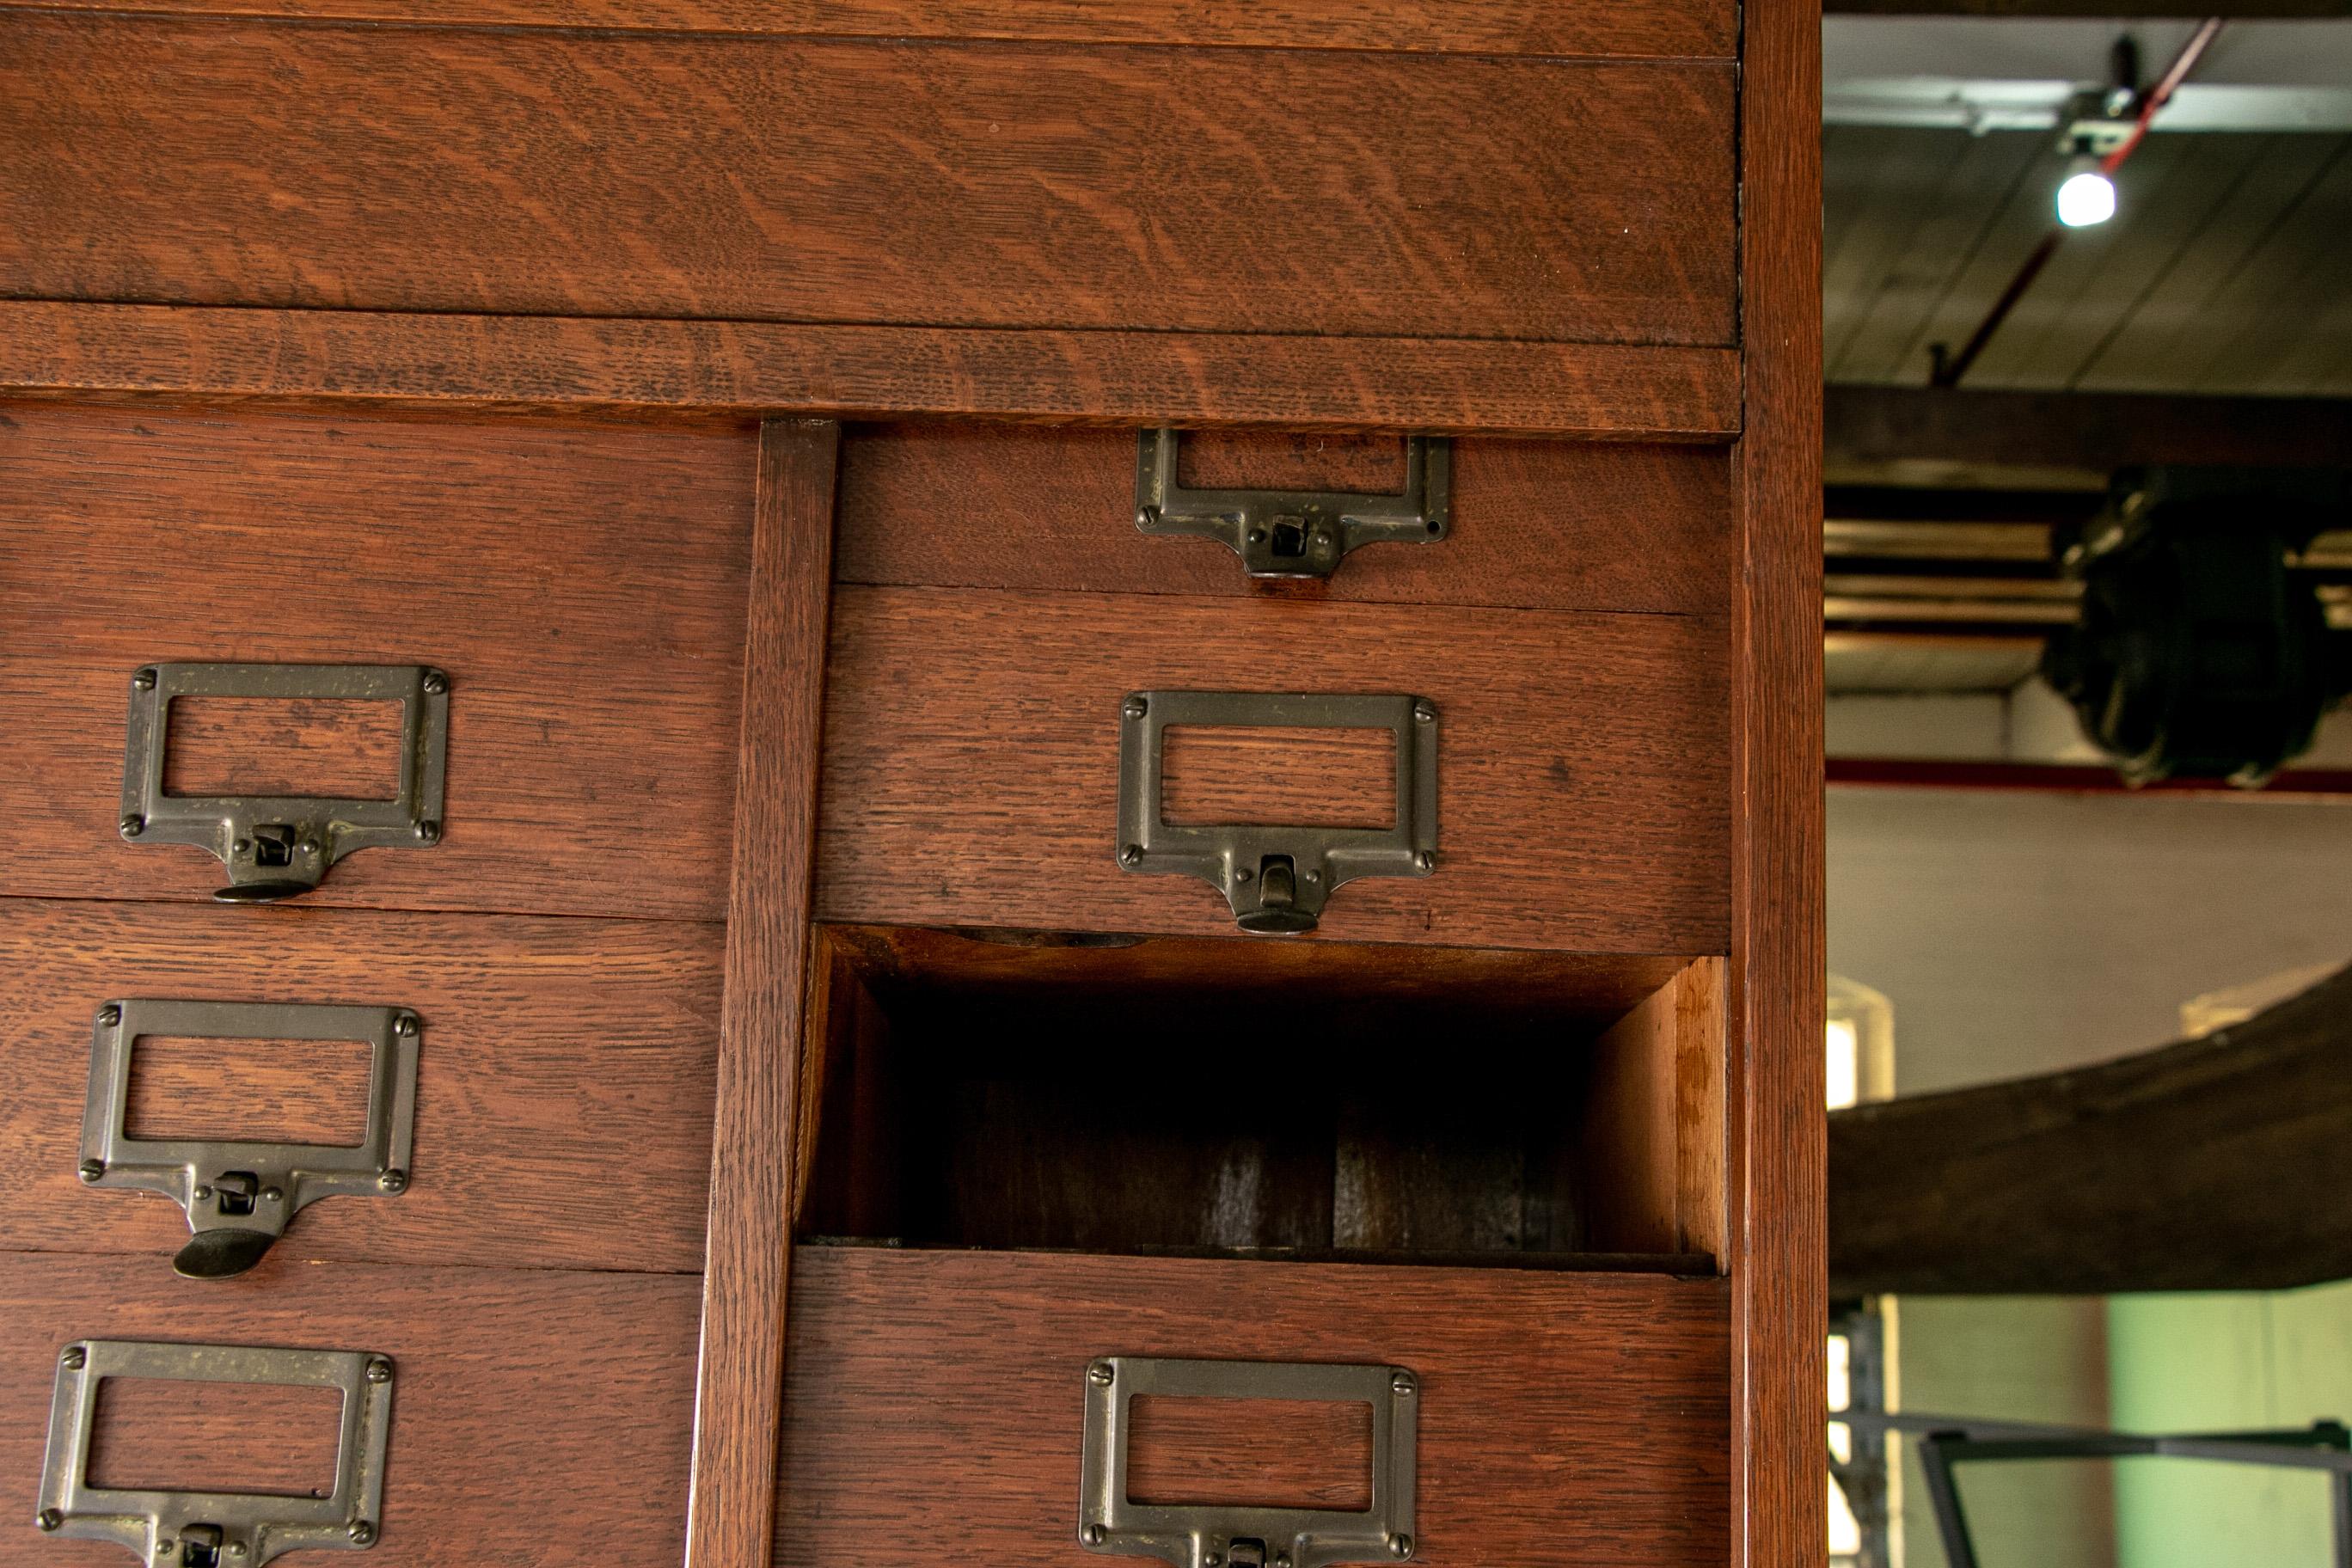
(1214, 1536)
(1276, 878)
(277, 845)
(215, 1530)
(239, 1196)
(1295, 533)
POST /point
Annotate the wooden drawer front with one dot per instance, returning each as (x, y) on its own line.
(1558, 525)
(536, 1414)
(965, 184)
(972, 748)
(583, 589)
(563, 1086)
(1566, 1418)
(1665, 28)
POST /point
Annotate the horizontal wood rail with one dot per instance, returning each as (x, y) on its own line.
(752, 368)
(1629, 29)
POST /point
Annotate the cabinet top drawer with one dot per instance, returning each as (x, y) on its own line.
(1663, 30)
(952, 184)
(583, 591)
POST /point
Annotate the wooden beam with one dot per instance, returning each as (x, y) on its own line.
(2069, 778)
(2217, 1163)
(739, 1387)
(1774, 1090)
(2095, 432)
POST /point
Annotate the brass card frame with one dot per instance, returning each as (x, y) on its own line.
(1203, 1535)
(1295, 533)
(215, 1530)
(239, 1195)
(310, 832)
(1236, 858)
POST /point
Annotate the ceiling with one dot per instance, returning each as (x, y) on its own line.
(2227, 268)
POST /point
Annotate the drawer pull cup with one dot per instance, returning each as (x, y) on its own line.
(240, 1195)
(276, 847)
(1276, 878)
(1226, 1535)
(171, 1528)
(1295, 533)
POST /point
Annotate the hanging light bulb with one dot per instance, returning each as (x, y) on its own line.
(2086, 196)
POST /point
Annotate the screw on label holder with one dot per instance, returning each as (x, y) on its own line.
(1276, 878)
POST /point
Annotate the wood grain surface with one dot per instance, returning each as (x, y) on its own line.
(1250, 1453)
(260, 1089)
(972, 764)
(980, 965)
(1536, 524)
(534, 1411)
(582, 588)
(1128, 378)
(1778, 1101)
(1652, 1139)
(754, 1157)
(1325, 778)
(1565, 1419)
(983, 184)
(1630, 27)
(161, 1434)
(563, 1082)
(259, 745)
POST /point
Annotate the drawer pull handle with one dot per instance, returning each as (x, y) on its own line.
(215, 1530)
(1295, 533)
(276, 847)
(1276, 878)
(1203, 1535)
(239, 1195)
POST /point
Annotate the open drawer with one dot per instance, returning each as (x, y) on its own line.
(1029, 1159)
(1264, 1099)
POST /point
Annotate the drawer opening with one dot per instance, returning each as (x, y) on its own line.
(1210, 1096)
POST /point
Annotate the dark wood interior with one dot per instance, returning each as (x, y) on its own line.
(1257, 1099)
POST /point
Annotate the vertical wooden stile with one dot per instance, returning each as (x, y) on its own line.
(1776, 1118)
(739, 1383)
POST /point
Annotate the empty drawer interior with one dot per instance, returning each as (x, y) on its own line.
(1247, 1098)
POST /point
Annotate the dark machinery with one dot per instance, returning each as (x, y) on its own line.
(2200, 652)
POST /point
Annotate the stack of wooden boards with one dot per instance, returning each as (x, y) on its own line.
(780, 1066)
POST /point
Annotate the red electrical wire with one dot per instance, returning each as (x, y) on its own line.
(1948, 372)
(2161, 93)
